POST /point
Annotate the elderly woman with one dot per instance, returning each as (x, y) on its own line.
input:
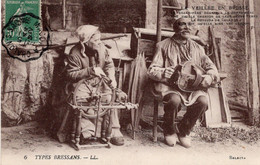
(90, 58)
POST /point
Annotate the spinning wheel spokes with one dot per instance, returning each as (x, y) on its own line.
(88, 93)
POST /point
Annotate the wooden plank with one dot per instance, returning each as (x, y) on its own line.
(126, 76)
(257, 24)
(226, 113)
(146, 46)
(252, 75)
(168, 29)
(218, 111)
(212, 114)
(153, 32)
(172, 7)
(120, 78)
(159, 21)
(64, 14)
(226, 117)
(186, 4)
(217, 59)
(155, 120)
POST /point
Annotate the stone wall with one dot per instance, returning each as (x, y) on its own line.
(233, 56)
(27, 87)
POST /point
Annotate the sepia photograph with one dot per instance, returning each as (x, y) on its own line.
(117, 82)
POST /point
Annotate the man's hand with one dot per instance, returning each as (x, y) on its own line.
(207, 80)
(168, 72)
(99, 72)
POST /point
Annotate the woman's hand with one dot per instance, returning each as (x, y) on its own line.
(99, 72)
(207, 81)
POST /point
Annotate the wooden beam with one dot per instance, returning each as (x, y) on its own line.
(171, 7)
(155, 120)
(257, 24)
(217, 59)
(159, 22)
(64, 14)
(186, 4)
(252, 75)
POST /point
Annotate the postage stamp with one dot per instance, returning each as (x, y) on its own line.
(22, 20)
(22, 29)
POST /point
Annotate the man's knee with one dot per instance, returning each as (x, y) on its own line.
(203, 101)
(172, 99)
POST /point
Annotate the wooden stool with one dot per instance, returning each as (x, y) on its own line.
(76, 132)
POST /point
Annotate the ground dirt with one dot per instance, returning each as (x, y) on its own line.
(22, 144)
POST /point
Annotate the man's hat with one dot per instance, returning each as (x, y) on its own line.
(185, 14)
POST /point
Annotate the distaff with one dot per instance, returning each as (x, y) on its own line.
(74, 43)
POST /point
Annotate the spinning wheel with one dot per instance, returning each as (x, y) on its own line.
(88, 93)
(93, 99)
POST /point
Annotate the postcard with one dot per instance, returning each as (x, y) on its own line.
(130, 82)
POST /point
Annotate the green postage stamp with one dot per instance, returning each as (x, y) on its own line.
(22, 21)
(21, 34)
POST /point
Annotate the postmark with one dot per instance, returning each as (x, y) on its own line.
(21, 35)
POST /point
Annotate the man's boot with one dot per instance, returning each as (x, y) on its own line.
(171, 140)
(185, 141)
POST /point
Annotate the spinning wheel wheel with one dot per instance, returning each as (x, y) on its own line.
(92, 99)
(88, 93)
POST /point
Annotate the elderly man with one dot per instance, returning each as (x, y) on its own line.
(169, 55)
(90, 58)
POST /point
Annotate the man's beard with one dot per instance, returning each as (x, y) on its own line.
(185, 34)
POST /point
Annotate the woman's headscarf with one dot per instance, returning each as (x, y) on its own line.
(84, 33)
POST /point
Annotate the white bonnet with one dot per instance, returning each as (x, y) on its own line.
(84, 33)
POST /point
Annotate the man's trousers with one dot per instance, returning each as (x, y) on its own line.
(172, 105)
